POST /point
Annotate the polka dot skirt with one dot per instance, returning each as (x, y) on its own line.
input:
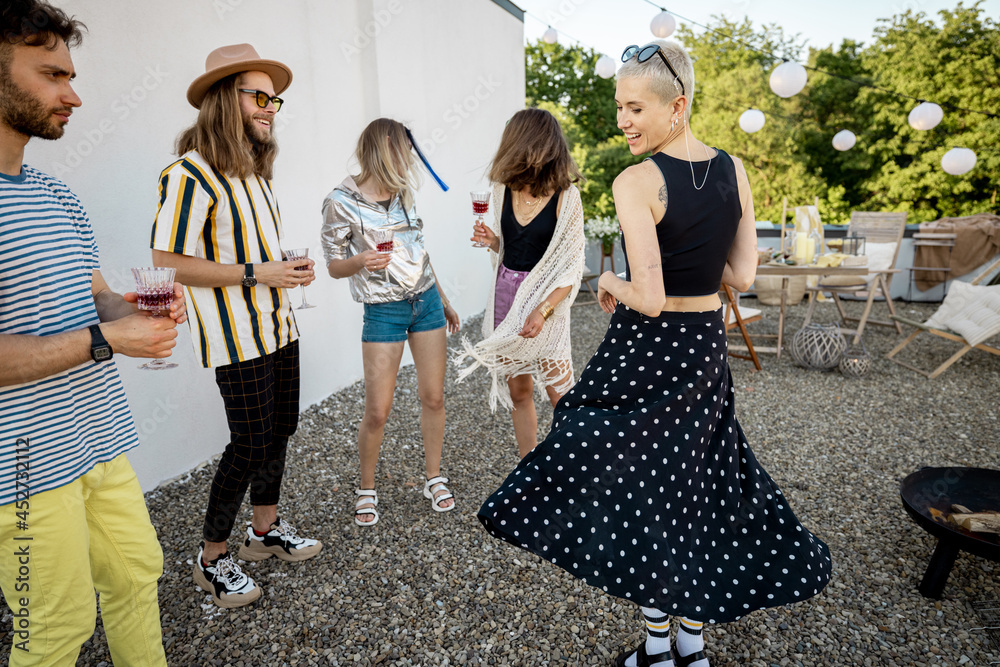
(646, 488)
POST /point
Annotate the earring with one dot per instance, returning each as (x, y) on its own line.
(673, 124)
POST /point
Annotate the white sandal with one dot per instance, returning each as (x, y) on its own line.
(436, 501)
(364, 500)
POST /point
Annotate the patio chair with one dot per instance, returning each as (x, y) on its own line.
(969, 315)
(588, 276)
(736, 317)
(883, 233)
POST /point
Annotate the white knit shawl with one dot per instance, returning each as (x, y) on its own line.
(547, 356)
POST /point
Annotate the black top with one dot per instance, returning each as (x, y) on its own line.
(524, 245)
(699, 226)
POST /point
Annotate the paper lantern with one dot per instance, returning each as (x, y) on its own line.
(605, 67)
(663, 24)
(752, 120)
(788, 79)
(550, 36)
(925, 116)
(844, 140)
(958, 161)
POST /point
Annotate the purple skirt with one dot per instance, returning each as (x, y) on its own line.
(508, 280)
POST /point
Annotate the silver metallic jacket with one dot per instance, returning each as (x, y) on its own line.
(349, 218)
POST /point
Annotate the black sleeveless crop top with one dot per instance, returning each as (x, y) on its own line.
(699, 226)
(525, 245)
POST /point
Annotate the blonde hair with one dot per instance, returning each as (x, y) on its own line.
(387, 160)
(219, 135)
(661, 80)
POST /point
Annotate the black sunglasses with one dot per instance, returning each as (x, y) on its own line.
(263, 98)
(644, 53)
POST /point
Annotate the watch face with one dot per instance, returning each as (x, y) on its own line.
(101, 353)
(249, 281)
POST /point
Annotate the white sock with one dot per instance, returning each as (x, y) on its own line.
(657, 637)
(690, 640)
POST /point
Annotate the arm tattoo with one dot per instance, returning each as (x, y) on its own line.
(663, 196)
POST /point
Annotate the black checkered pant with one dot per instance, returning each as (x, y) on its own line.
(262, 405)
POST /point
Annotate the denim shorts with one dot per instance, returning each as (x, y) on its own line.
(391, 322)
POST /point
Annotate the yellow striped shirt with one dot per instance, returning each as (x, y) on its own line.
(204, 213)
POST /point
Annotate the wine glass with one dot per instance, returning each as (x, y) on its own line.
(155, 289)
(384, 240)
(480, 206)
(300, 254)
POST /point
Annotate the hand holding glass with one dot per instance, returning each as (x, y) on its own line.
(155, 289)
(384, 240)
(480, 206)
(300, 254)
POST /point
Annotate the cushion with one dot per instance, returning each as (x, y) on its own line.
(971, 311)
(745, 313)
(839, 281)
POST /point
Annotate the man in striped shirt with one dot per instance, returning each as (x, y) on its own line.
(218, 225)
(72, 515)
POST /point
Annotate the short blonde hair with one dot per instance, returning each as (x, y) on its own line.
(386, 159)
(661, 80)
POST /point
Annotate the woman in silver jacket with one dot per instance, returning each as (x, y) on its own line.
(373, 236)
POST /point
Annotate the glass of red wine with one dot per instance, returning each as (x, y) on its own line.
(155, 289)
(300, 254)
(384, 241)
(480, 206)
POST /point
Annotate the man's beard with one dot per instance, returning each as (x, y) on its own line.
(25, 114)
(259, 137)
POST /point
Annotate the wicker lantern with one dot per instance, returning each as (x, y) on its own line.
(856, 362)
(818, 346)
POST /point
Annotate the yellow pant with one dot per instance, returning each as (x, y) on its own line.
(92, 533)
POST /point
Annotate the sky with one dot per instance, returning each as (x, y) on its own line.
(610, 25)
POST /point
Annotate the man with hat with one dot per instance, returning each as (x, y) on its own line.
(218, 225)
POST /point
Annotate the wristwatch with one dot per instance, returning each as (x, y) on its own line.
(99, 348)
(248, 279)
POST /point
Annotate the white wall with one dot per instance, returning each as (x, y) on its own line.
(453, 70)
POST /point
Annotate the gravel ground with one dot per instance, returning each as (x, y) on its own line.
(433, 589)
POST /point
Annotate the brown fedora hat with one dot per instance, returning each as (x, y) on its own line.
(227, 60)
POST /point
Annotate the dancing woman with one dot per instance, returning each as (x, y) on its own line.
(402, 300)
(537, 247)
(646, 487)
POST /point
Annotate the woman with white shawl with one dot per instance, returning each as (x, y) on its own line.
(536, 245)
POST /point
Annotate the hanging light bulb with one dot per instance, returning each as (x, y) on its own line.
(925, 116)
(788, 79)
(550, 36)
(605, 67)
(844, 140)
(752, 120)
(663, 24)
(958, 161)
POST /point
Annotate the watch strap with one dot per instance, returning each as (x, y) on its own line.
(100, 349)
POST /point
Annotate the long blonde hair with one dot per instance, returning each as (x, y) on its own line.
(387, 160)
(221, 138)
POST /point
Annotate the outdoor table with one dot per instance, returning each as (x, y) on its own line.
(788, 271)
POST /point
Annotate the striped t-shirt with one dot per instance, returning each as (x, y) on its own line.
(55, 429)
(206, 214)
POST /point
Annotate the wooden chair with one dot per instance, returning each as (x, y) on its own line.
(588, 276)
(950, 335)
(931, 240)
(875, 228)
(735, 318)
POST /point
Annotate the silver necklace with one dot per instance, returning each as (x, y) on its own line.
(691, 164)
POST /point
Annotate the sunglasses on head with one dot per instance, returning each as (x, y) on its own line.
(644, 53)
(263, 98)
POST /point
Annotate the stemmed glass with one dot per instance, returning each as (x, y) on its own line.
(384, 240)
(300, 254)
(155, 289)
(480, 206)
